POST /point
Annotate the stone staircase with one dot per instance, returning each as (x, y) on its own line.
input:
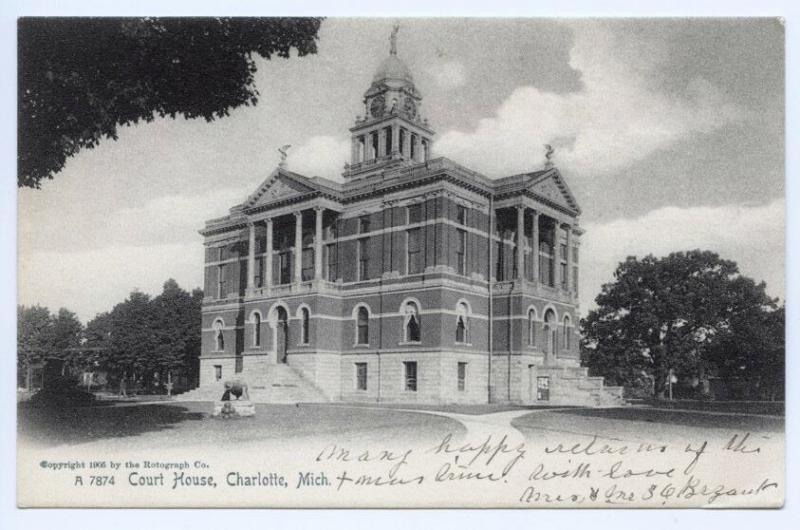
(572, 385)
(280, 384)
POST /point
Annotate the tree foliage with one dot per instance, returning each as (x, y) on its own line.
(149, 337)
(81, 78)
(682, 313)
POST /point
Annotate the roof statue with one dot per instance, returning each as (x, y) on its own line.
(548, 155)
(283, 151)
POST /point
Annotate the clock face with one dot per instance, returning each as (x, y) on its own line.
(377, 107)
(410, 108)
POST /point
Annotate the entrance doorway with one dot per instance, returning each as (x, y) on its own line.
(543, 388)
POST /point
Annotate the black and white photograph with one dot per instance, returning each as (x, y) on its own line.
(400, 262)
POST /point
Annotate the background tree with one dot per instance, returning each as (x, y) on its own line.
(81, 78)
(34, 336)
(669, 313)
(67, 335)
(178, 333)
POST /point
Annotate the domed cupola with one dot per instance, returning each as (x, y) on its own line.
(392, 128)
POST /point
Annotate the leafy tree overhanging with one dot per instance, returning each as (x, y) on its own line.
(81, 78)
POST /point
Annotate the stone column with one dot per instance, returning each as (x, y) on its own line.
(569, 259)
(406, 144)
(251, 259)
(535, 241)
(382, 142)
(268, 257)
(556, 258)
(318, 243)
(298, 247)
(395, 140)
(520, 242)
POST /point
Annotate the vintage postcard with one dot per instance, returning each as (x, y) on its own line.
(406, 263)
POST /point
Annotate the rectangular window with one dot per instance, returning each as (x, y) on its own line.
(414, 213)
(388, 142)
(462, 376)
(259, 272)
(575, 280)
(546, 265)
(363, 224)
(410, 375)
(461, 252)
(363, 259)
(501, 261)
(574, 254)
(217, 372)
(361, 376)
(285, 270)
(308, 264)
(221, 292)
(414, 250)
(564, 275)
(332, 264)
(461, 215)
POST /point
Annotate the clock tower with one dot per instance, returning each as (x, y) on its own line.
(392, 131)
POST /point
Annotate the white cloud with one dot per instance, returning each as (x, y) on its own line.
(322, 156)
(752, 236)
(617, 117)
(93, 281)
(448, 75)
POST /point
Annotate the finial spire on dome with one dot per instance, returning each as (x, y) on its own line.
(393, 39)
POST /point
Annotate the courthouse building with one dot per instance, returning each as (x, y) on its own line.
(415, 279)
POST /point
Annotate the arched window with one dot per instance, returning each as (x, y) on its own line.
(256, 329)
(305, 316)
(219, 336)
(551, 331)
(362, 326)
(531, 327)
(412, 323)
(567, 342)
(462, 313)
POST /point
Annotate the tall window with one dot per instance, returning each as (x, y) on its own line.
(461, 215)
(308, 264)
(461, 252)
(546, 270)
(412, 322)
(259, 272)
(414, 250)
(387, 147)
(363, 259)
(285, 267)
(461, 330)
(256, 329)
(305, 318)
(414, 213)
(563, 265)
(221, 292)
(410, 375)
(363, 224)
(462, 376)
(500, 271)
(575, 270)
(567, 342)
(362, 326)
(219, 336)
(531, 327)
(461, 323)
(361, 376)
(332, 271)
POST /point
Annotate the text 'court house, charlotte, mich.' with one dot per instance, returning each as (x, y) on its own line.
(414, 280)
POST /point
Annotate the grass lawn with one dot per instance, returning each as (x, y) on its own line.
(187, 423)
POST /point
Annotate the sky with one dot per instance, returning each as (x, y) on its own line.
(670, 133)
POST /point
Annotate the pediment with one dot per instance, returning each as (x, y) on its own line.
(277, 187)
(553, 188)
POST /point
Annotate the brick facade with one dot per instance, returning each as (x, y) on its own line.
(483, 271)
